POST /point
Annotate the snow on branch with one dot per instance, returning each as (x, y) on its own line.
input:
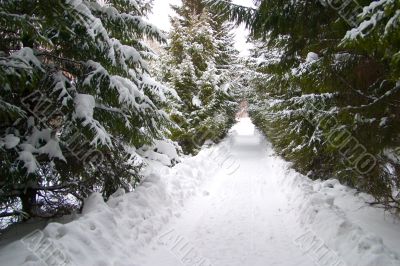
(84, 109)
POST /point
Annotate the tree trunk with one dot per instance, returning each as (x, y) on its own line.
(28, 200)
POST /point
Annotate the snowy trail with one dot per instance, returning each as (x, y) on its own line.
(241, 218)
(235, 203)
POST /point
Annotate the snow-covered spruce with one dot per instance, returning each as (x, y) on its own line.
(75, 93)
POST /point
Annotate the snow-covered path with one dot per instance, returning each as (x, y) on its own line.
(241, 218)
(235, 203)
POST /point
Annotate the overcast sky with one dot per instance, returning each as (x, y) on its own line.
(162, 10)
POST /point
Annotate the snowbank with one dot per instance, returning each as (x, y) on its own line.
(111, 233)
(359, 234)
(115, 232)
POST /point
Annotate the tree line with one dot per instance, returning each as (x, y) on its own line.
(325, 87)
(85, 104)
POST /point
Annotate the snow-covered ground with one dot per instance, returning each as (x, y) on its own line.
(236, 203)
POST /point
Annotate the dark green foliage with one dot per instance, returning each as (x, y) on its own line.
(75, 95)
(338, 109)
(197, 65)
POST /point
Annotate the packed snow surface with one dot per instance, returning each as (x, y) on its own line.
(236, 203)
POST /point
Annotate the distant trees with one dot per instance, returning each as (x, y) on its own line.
(198, 65)
(326, 88)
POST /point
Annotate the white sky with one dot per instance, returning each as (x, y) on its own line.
(162, 10)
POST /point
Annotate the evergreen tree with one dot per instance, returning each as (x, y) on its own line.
(328, 96)
(197, 65)
(75, 98)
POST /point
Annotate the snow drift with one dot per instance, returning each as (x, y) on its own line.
(116, 232)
